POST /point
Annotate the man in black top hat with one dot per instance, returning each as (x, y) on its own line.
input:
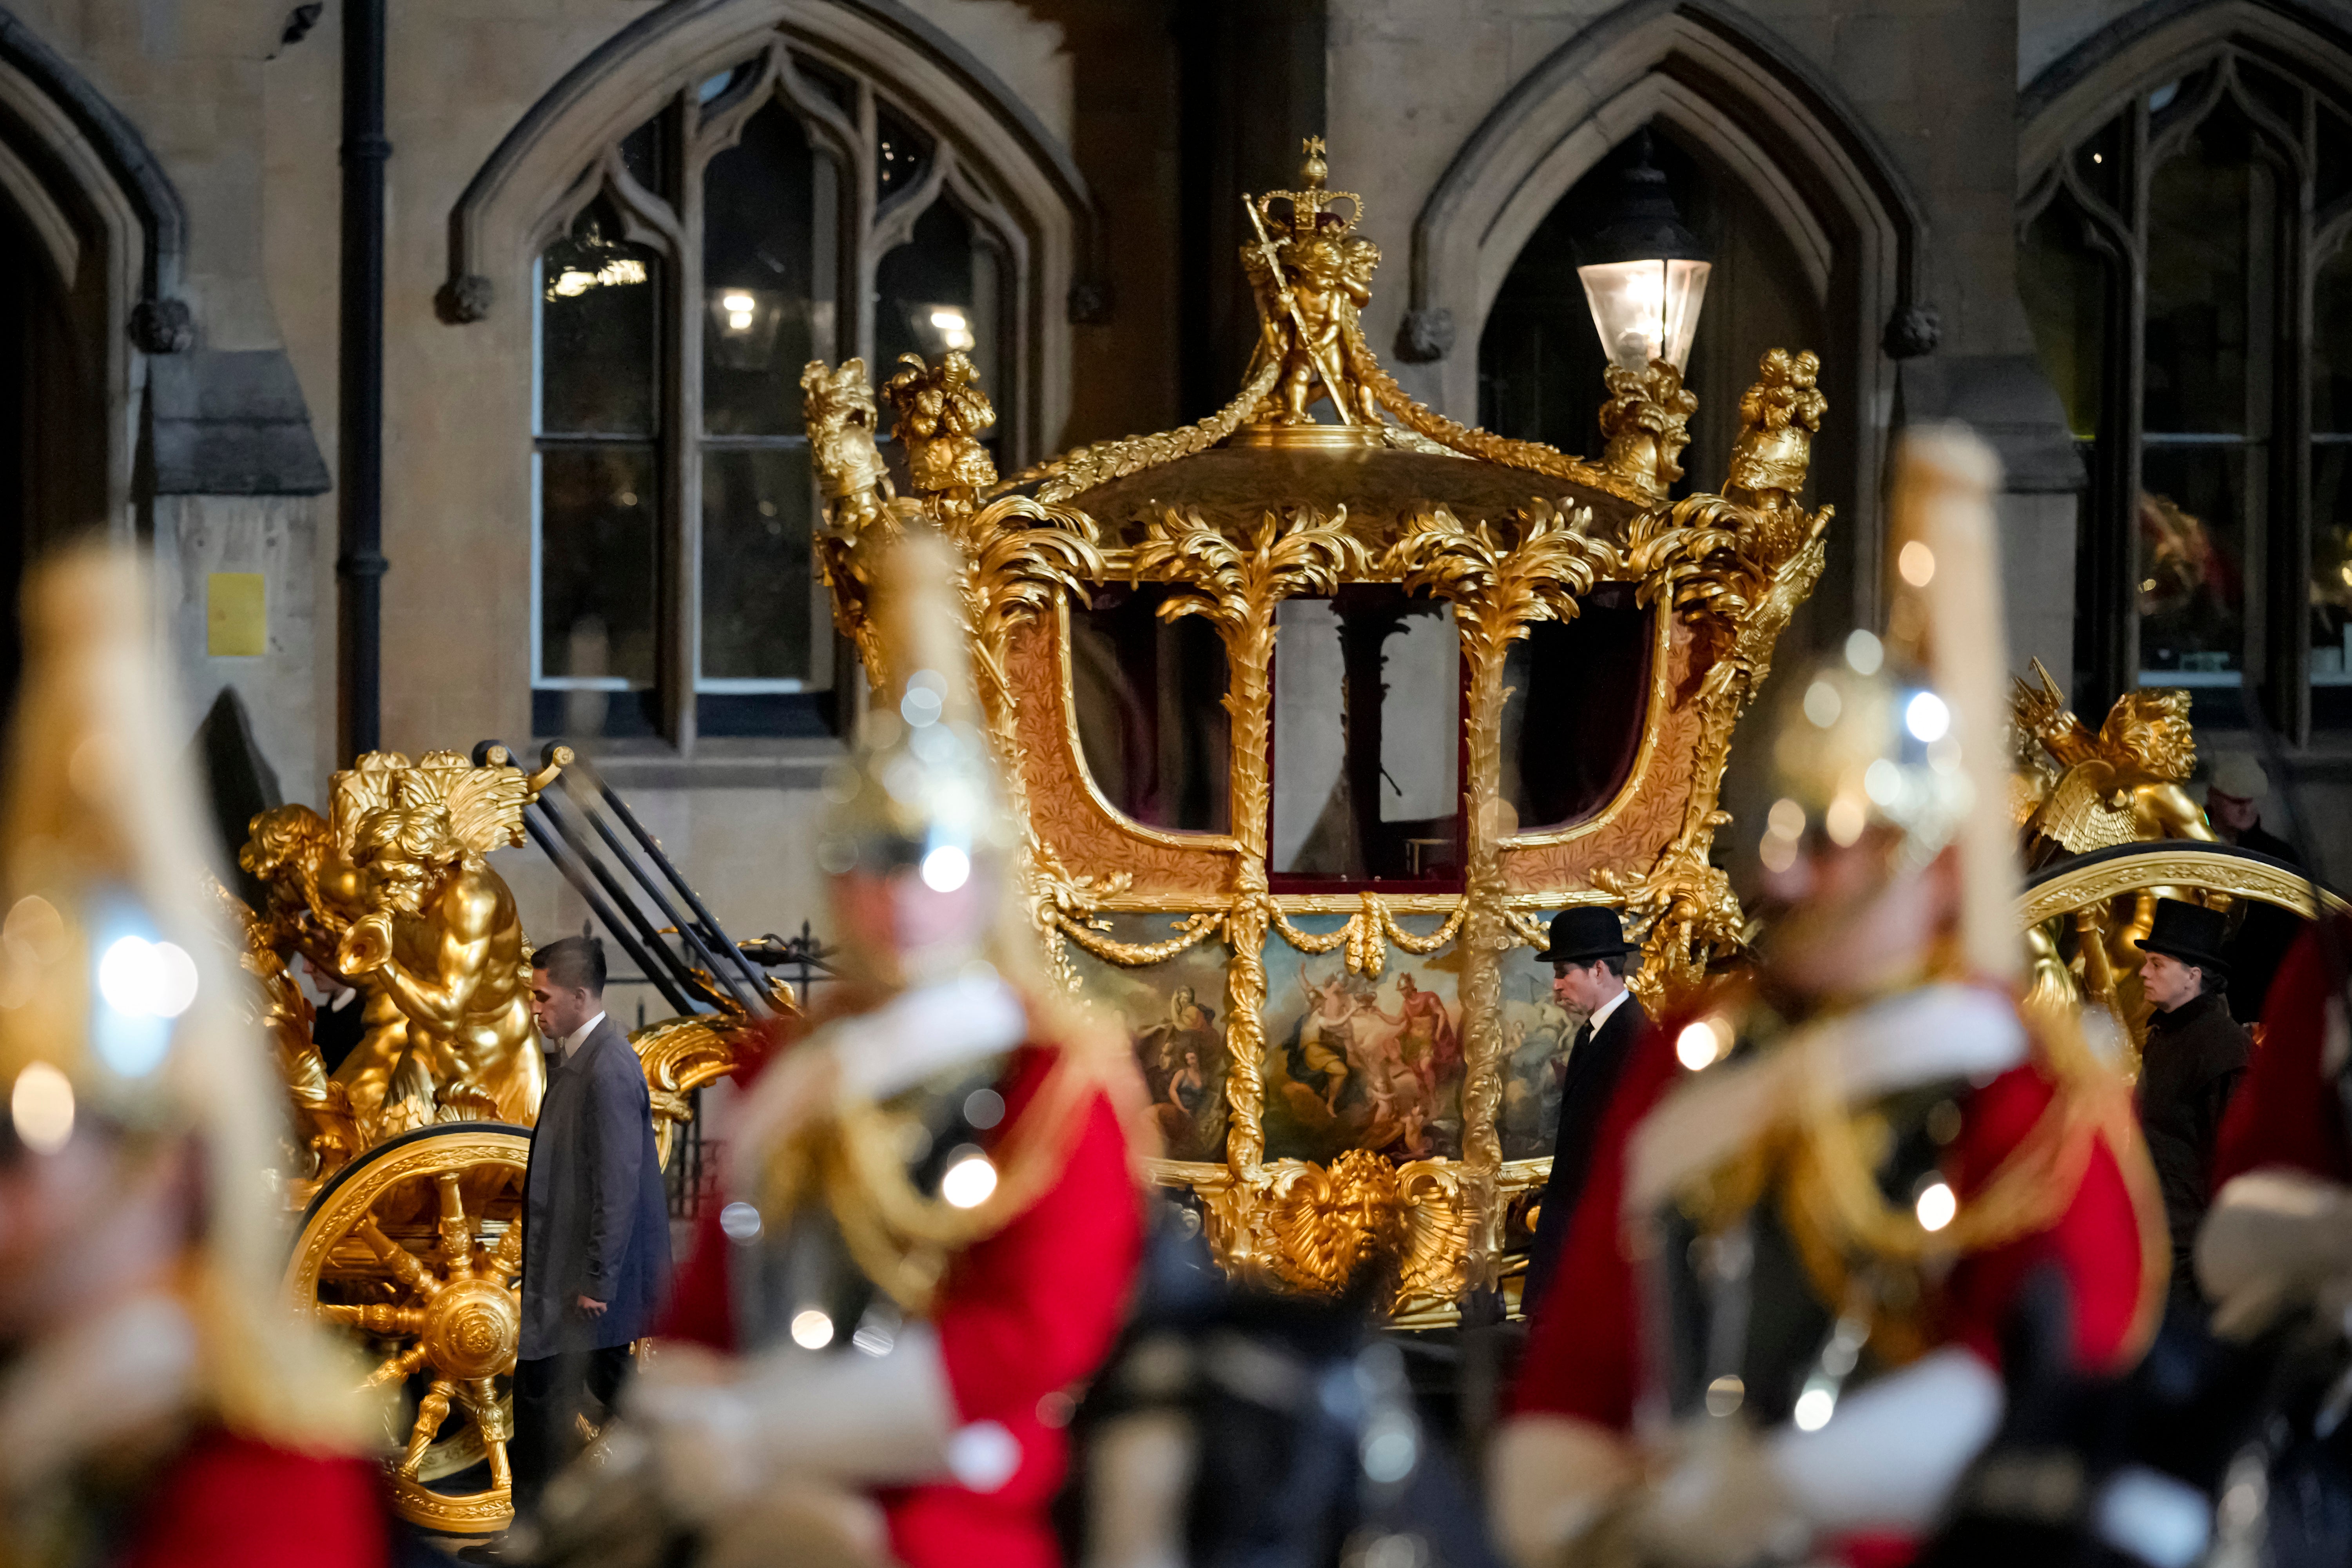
(1587, 955)
(2195, 1055)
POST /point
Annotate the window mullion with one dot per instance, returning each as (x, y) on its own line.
(681, 631)
(2290, 576)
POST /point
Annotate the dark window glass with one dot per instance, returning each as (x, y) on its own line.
(2099, 163)
(1150, 697)
(597, 562)
(2331, 171)
(828, 81)
(938, 291)
(2274, 93)
(2331, 564)
(900, 155)
(756, 594)
(641, 154)
(1585, 685)
(2191, 558)
(716, 94)
(2201, 221)
(758, 209)
(2331, 344)
(599, 302)
(2063, 282)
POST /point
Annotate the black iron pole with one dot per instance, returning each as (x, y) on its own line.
(358, 446)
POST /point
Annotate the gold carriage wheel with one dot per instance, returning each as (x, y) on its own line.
(416, 1249)
(2093, 879)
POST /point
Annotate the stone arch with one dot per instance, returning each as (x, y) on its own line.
(1008, 166)
(2153, 44)
(1760, 114)
(103, 229)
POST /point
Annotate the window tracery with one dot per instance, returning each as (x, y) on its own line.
(783, 210)
(2182, 262)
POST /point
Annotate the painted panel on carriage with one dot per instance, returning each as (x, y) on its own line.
(1174, 1016)
(1354, 1062)
(1536, 1033)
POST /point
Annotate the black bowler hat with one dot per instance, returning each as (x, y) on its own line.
(1581, 935)
(2190, 932)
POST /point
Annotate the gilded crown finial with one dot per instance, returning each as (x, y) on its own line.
(1315, 169)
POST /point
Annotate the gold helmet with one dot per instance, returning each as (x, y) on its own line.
(116, 1011)
(1907, 733)
(920, 792)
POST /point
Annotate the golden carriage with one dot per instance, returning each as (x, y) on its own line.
(1310, 726)
(407, 1163)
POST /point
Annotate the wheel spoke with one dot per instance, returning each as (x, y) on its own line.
(431, 1411)
(396, 1369)
(376, 1317)
(507, 1263)
(501, 1468)
(402, 1263)
(457, 1234)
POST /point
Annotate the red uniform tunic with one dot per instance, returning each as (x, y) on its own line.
(226, 1501)
(2285, 1113)
(1022, 1316)
(1586, 1352)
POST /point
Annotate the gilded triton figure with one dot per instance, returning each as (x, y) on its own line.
(394, 893)
(2120, 784)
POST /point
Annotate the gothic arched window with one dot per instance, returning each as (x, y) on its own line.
(2183, 264)
(782, 210)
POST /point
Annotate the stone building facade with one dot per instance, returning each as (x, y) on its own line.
(583, 195)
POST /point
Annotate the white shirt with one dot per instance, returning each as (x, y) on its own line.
(1601, 1014)
(572, 1041)
(343, 999)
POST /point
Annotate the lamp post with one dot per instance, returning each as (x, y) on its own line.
(1645, 275)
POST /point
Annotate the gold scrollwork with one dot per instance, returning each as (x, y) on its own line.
(1288, 509)
(1500, 585)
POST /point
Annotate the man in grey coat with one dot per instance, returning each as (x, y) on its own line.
(595, 1237)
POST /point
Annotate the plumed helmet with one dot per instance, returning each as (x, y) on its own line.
(1908, 731)
(921, 792)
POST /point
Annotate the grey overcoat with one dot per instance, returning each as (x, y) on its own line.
(595, 1219)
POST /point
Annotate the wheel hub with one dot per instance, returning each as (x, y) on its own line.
(473, 1329)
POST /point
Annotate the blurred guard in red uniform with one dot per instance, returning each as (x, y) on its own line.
(933, 1220)
(1775, 1331)
(159, 1403)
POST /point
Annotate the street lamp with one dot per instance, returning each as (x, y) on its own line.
(1646, 274)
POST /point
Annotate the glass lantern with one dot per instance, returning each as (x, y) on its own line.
(1645, 309)
(1644, 274)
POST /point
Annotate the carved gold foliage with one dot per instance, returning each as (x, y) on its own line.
(943, 413)
(1532, 456)
(1058, 479)
(1499, 584)
(1734, 569)
(1367, 933)
(1646, 425)
(1235, 584)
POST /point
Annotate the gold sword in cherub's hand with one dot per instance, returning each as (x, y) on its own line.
(1298, 318)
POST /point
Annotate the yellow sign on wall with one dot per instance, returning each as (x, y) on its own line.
(236, 622)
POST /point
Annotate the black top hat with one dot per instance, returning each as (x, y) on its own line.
(1581, 935)
(2192, 934)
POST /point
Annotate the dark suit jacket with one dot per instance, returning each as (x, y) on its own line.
(1593, 1066)
(597, 1221)
(2188, 1070)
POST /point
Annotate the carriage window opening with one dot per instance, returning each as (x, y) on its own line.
(1579, 692)
(1367, 727)
(1149, 696)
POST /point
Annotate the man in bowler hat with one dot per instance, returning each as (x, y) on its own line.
(2195, 1055)
(1587, 954)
